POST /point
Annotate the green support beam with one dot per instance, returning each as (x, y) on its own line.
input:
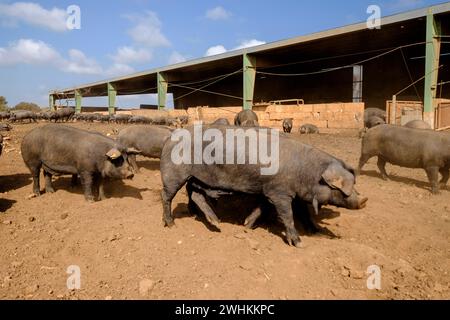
(162, 90)
(249, 80)
(77, 101)
(431, 68)
(112, 93)
(51, 102)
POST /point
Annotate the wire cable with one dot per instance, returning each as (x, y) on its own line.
(207, 85)
(341, 67)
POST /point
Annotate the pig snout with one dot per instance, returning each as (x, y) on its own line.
(362, 201)
(356, 202)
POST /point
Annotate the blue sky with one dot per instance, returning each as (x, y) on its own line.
(38, 53)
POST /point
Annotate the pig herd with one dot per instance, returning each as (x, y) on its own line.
(307, 177)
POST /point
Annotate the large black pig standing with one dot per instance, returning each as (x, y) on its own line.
(410, 148)
(60, 149)
(149, 140)
(304, 172)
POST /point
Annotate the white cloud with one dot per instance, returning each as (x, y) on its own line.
(249, 43)
(125, 55)
(147, 30)
(219, 49)
(36, 52)
(28, 51)
(80, 64)
(176, 57)
(119, 69)
(215, 50)
(218, 13)
(33, 14)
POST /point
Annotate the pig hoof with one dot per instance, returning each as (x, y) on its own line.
(169, 223)
(295, 242)
(385, 178)
(90, 200)
(49, 190)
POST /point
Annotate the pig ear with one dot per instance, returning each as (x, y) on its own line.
(113, 154)
(336, 180)
(133, 151)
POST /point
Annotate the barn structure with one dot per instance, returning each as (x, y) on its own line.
(403, 66)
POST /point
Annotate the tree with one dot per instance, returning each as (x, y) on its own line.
(29, 106)
(3, 104)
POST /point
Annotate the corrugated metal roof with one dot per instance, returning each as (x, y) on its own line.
(410, 15)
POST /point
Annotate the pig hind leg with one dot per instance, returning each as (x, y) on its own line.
(35, 170)
(382, 167)
(251, 219)
(48, 182)
(205, 208)
(362, 161)
(445, 172)
(433, 177)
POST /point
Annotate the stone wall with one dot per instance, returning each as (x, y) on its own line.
(331, 115)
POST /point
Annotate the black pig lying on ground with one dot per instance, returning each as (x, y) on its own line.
(410, 148)
(60, 149)
(303, 171)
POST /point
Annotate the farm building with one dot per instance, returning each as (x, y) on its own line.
(327, 78)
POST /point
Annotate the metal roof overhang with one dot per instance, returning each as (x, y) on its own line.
(396, 30)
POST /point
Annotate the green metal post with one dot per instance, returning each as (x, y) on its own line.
(77, 101)
(112, 93)
(249, 80)
(51, 102)
(431, 68)
(162, 90)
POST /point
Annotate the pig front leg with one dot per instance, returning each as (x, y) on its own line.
(132, 160)
(283, 205)
(86, 181)
(101, 189)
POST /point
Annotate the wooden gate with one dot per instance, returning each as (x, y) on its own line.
(443, 115)
(405, 112)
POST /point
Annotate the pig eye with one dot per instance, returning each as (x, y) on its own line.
(118, 161)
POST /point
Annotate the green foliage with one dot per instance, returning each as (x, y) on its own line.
(29, 106)
(3, 104)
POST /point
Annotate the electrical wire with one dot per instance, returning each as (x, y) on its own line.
(341, 67)
(207, 85)
(409, 74)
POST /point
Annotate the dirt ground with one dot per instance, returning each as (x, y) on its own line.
(124, 252)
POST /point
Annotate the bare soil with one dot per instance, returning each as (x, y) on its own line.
(124, 252)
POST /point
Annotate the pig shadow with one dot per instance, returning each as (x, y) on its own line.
(113, 188)
(15, 181)
(151, 164)
(6, 204)
(229, 212)
(405, 180)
